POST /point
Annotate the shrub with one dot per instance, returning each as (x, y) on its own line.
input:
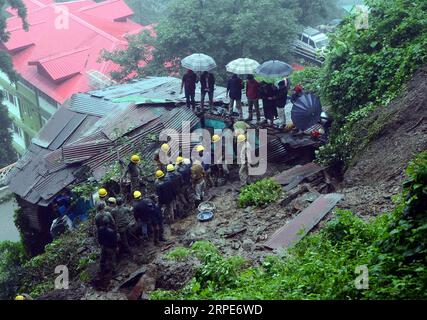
(260, 193)
(367, 68)
(12, 255)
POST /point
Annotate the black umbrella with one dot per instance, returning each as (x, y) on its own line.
(274, 69)
(306, 111)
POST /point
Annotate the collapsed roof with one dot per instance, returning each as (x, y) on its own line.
(93, 130)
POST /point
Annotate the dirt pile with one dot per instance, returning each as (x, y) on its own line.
(398, 132)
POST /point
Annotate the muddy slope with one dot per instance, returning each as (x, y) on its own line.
(400, 132)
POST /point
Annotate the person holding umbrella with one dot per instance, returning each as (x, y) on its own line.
(234, 91)
(252, 93)
(207, 82)
(269, 95)
(282, 97)
(188, 83)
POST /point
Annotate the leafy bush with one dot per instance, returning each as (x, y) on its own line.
(309, 78)
(368, 68)
(39, 272)
(12, 255)
(260, 193)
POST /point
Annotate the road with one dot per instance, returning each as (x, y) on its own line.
(8, 230)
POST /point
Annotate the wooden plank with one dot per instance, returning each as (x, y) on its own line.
(297, 173)
(297, 228)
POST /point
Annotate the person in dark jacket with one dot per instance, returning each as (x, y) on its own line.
(166, 195)
(189, 81)
(149, 215)
(252, 93)
(268, 96)
(234, 91)
(176, 180)
(107, 239)
(207, 83)
(184, 168)
(282, 97)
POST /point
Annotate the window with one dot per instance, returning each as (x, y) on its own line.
(311, 43)
(304, 39)
(11, 98)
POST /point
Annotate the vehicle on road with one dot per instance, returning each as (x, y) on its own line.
(311, 44)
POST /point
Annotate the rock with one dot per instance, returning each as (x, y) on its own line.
(248, 210)
(235, 245)
(248, 245)
(133, 278)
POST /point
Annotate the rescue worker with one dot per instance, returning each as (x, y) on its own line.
(150, 215)
(198, 181)
(107, 239)
(175, 177)
(166, 196)
(134, 172)
(100, 197)
(23, 296)
(184, 168)
(244, 148)
(218, 166)
(206, 164)
(140, 216)
(121, 217)
(104, 216)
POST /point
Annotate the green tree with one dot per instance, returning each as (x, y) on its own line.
(224, 29)
(8, 154)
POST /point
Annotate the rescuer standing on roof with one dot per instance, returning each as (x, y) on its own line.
(198, 182)
(166, 196)
(150, 215)
(134, 172)
(121, 217)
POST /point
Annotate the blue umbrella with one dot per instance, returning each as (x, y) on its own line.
(274, 69)
(306, 111)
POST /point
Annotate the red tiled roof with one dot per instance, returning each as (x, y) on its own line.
(113, 9)
(55, 60)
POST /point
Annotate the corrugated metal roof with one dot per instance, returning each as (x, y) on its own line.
(87, 104)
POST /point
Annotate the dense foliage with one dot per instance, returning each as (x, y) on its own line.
(325, 265)
(225, 30)
(369, 67)
(260, 193)
(11, 257)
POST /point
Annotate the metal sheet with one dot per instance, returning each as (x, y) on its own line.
(297, 228)
(297, 172)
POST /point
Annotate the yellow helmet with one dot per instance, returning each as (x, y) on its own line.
(170, 167)
(160, 174)
(102, 192)
(241, 138)
(179, 160)
(165, 147)
(135, 158)
(19, 297)
(200, 148)
(216, 138)
(137, 194)
(112, 200)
